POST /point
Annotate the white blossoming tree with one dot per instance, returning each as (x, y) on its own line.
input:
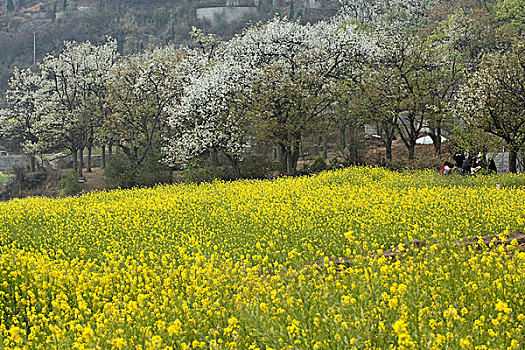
(278, 76)
(210, 117)
(139, 89)
(18, 121)
(74, 81)
(493, 99)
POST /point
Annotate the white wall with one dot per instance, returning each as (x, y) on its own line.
(227, 14)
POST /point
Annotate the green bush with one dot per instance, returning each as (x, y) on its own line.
(257, 167)
(4, 178)
(251, 167)
(431, 162)
(152, 172)
(396, 164)
(120, 171)
(198, 171)
(69, 184)
(317, 166)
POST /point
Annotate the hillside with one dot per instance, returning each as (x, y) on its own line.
(136, 25)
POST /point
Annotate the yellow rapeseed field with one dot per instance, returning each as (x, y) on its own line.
(247, 265)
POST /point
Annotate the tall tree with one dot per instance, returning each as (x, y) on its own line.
(493, 99)
(299, 69)
(408, 77)
(381, 92)
(210, 117)
(19, 120)
(281, 75)
(349, 114)
(412, 71)
(140, 88)
(73, 80)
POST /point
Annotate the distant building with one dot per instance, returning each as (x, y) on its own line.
(234, 10)
(227, 13)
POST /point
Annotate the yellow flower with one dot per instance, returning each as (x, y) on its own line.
(175, 328)
(294, 327)
(263, 306)
(87, 333)
(15, 334)
(156, 341)
(464, 343)
(119, 343)
(182, 265)
(503, 307)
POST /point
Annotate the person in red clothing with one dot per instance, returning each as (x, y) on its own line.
(446, 168)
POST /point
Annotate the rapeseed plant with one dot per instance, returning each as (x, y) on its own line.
(252, 265)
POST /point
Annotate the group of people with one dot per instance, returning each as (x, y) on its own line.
(465, 165)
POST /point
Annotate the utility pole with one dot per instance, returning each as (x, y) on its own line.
(34, 48)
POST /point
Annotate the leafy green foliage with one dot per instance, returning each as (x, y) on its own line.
(5, 177)
(120, 171)
(510, 14)
(70, 184)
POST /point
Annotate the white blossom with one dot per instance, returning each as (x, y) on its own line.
(19, 120)
(212, 113)
(72, 81)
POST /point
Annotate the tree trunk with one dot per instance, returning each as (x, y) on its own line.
(283, 159)
(214, 157)
(353, 143)
(81, 161)
(262, 148)
(292, 157)
(435, 135)
(32, 162)
(342, 137)
(234, 163)
(325, 146)
(437, 146)
(170, 176)
(411, 148)
(110, 147)
(512, 160)
(89, 148)
(88, 166)
(103, 156)
(389, 138)
(74, 154)
(388, 144)
(409, 133)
